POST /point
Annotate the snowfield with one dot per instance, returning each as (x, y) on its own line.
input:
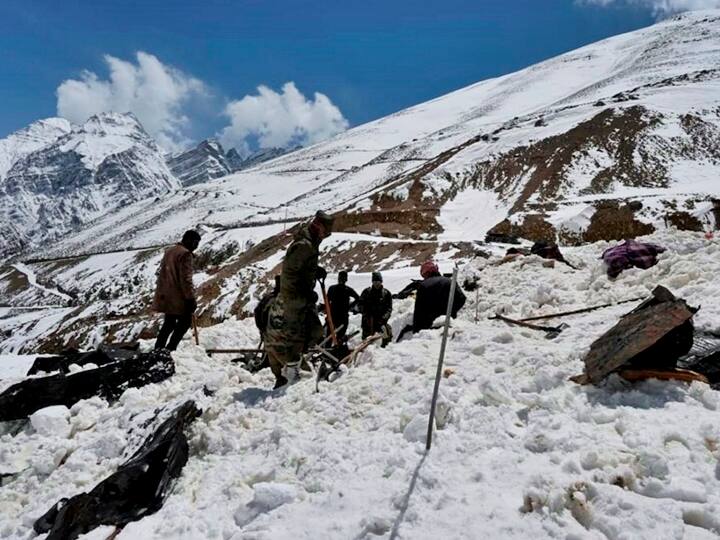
(520, 452)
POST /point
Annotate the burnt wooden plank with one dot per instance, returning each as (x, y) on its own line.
(636, 333)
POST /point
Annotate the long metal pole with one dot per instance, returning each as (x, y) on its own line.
(438, 375)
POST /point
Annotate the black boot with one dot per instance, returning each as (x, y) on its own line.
(280, 381)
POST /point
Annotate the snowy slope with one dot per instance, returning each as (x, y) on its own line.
(617, 139)
(543, 136)
(521, 451)
(64, 178)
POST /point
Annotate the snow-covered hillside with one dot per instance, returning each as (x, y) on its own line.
(55, 177)
(521, 452)
(633, 118)
(616, 139)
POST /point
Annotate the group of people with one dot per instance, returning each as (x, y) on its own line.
(288, 316)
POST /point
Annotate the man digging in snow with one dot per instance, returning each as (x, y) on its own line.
(431, 298)
(293, 323)
(339, 296)
(174, 293)
(376, 302)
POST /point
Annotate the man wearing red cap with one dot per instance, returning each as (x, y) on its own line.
(293, 322)
(431, 298)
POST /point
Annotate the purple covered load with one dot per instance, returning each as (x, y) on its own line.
(630, 254)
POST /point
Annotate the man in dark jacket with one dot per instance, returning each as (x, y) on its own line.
(293, 322)
(174, 293)
(339, 296)
(376, 303)
(431, 298)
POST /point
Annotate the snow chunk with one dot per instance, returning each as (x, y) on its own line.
(52, 421)
(416, 430)
(267, 497)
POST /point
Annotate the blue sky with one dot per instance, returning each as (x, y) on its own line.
(370, 58)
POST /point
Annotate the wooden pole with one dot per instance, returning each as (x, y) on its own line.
(328, 315)
(524, 324)
(195, 330)
(477, 300)
(438, 374)
(583, 310)
(210, 352)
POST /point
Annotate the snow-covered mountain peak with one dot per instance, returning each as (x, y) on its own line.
(112, 123)
(105, 134)
(212, 144)
(46, 129)
(65, 176)
(208, 161)
(30, 138)
(698, 15)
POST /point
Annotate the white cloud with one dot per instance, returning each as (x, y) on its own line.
(156, 93)
(661, 7)
(280, 119)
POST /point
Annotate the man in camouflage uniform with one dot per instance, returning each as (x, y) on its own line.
(293, 322)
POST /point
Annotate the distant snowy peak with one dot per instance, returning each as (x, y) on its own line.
(263, 155)
(105, 134)
(67, 176)
(235, 160)
(204, 162)
(29, 139)
(208, 160)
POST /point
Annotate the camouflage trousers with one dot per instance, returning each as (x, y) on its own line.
(280, 356)
(292, 327)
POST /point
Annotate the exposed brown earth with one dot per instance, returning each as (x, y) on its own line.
(396, 222)
(16, 281)
(615, 221)
(365, 256)
(540, 172)
(684, 221)
(545, 164)
(533, 227)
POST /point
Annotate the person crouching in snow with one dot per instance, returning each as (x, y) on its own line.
(431, 297)
(293, 323)
(376, 304)
(174, 293)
